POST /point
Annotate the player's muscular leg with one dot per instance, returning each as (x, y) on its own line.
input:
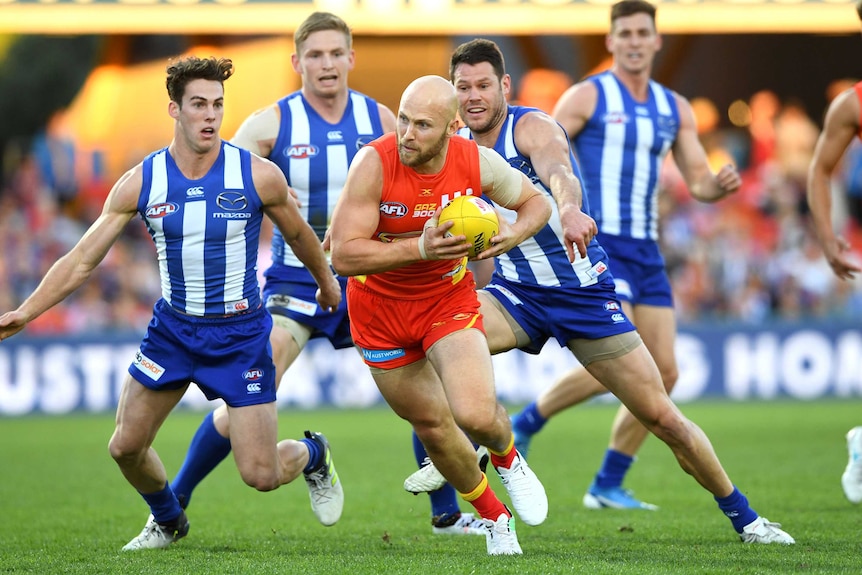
(262, 464)
(415, 393)
(140, 414)
(658, 331)
(469, 386)
(635, 379)
(498, 331)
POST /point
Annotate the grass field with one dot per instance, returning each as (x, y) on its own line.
(65, 507)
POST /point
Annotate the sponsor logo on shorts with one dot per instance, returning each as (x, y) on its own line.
(253, 377)
(462, 316)
(381, 355)
(393, 210)
(236, 306)
(278, 300)
(148, 367)
(506, 293)
(612, 306)
(161, 210)
(618, 318)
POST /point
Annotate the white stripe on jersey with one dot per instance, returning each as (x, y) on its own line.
(360, 115)
(664, 109)
(300, 168)
(235, 241)
(612, 157)
(235, 259)
(511, 150)
(640, 181)
(158, 194)
(336, 166)
(194, 274)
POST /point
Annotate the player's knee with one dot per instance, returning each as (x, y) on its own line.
(261, 479)
(669, 376)
(124, 451)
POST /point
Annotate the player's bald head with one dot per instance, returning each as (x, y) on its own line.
(433, 93)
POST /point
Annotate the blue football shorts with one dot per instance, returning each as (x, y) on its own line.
(564, 313)
(291, 295)
(227, 357)
(639, 271)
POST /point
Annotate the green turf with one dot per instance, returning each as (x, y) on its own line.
(65, 507)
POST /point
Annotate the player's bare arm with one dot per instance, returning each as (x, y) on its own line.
(839, 129)
(259, 131)
(541, 139)
(690, 157)
(575, 107)
(73, 269)
(511, 189)
(280, 207)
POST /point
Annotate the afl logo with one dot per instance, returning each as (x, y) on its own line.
(253, 374)
(157, 211)
(301, 151)
(362, 140)
(393, 210)
(612, 306)
(232, 201)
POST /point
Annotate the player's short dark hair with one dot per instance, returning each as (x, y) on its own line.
(630, 7)
(318, 22)
(475, 52)
(184, 70)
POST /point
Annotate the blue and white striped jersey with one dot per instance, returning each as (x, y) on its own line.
(206, 231)
(542, 259)
(621, 150)
(314, 156)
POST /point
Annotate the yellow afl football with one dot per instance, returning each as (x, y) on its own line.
(475, 219)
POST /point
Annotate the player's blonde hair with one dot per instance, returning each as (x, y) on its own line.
(317, 22)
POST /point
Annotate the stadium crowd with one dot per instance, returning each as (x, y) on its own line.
(750, 258)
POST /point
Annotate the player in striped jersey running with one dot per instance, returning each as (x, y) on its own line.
(312, 135)
(203, 202)
(623, 124)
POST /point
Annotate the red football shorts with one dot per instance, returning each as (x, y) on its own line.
(393, 332)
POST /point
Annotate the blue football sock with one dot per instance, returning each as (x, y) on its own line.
(163, 504)
(735, 507)
(613, 469)
(207, 450)
(444, 500)
(314, 454)
(529, 421)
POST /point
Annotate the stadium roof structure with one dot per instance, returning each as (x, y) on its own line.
(417, 17)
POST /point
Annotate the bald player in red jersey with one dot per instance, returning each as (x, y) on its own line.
(413, 308)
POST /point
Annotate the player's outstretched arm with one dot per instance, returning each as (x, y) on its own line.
(840, 127)
(539, 137)
(73, 269)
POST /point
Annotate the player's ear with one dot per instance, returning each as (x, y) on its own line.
(173, 110)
